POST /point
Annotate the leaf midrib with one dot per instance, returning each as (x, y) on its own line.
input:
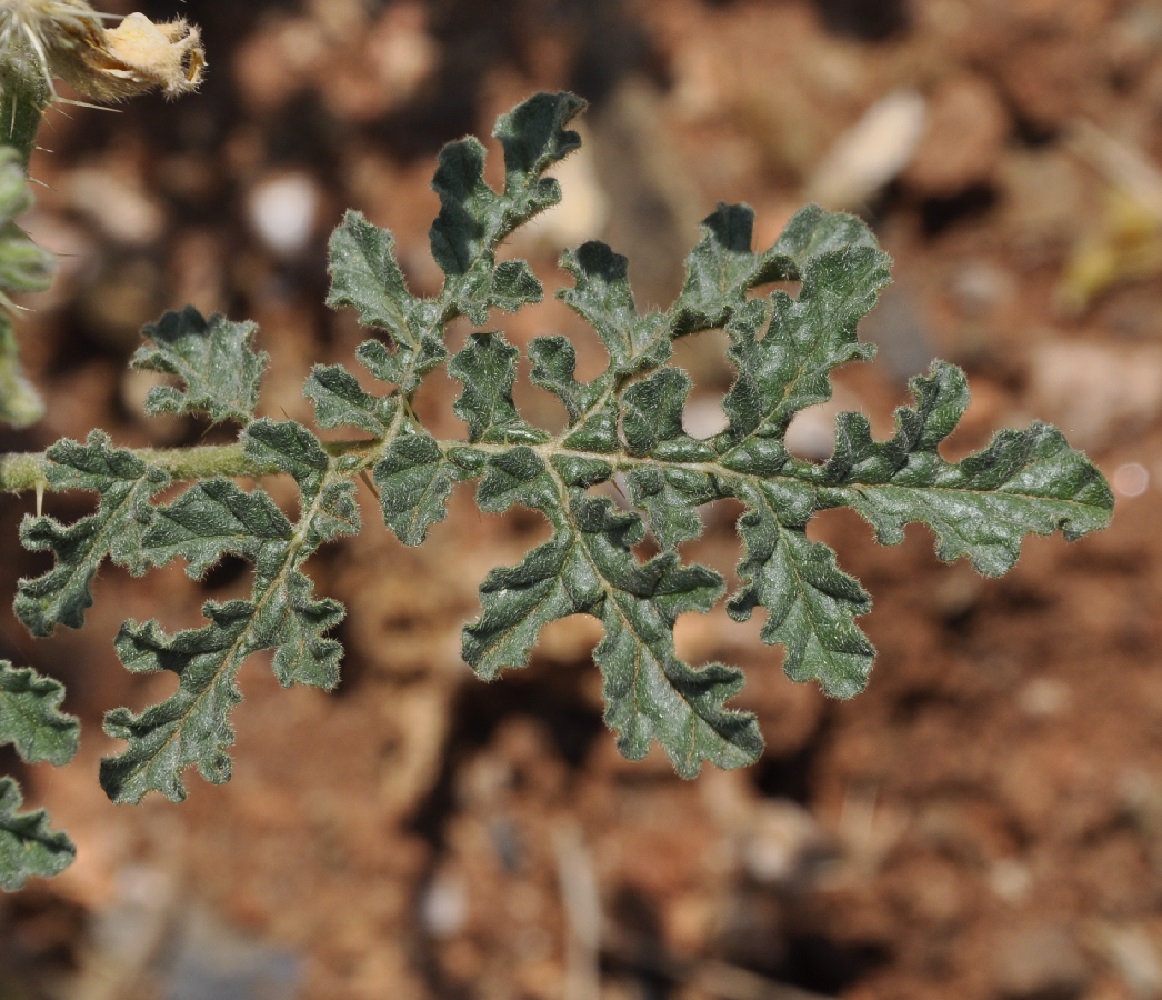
(290, 562)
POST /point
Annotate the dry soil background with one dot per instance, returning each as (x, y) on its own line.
(984, 822)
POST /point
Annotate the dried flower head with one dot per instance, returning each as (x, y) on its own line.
(66, 40)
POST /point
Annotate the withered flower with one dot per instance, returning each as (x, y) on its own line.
(67, 40)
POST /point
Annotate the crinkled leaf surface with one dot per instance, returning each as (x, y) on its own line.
(213, 357)
(589, 566)
(31, 719)
(125, 484)
(212, 519)
(624, 435)
(192, 727)
(812, 604)
(365, 276)
(28, 847)
(473, 221)
(629, 419)
(487, 367)
(415, 478)
(1025, 482)
(339, 400)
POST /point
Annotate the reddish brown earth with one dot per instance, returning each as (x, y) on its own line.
(984, 822)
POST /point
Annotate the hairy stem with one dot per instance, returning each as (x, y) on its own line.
(21, 471)
(29, 470)
(22, 104)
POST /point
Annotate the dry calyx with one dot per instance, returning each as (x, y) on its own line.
(67, 40)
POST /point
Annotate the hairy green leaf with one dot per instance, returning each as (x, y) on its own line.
(602, 296)
(487, 367)
(624, 434)
(671, 498)
(192, 727)
(214, 359)
(415, 479)
(1025, 482)
(812, 604)
(30, 716)
(721, 268)
(125, 484)
(365, 276)
(473, 221)
(789, 367)
(28, 848)
(785, 348)
(339, 400)
(212, 519)
(589, 566)
(592, 407)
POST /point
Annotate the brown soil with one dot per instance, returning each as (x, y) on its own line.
(984, 822)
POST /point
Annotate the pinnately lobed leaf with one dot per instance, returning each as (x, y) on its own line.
(211, 519)
(624, 429)
(31, 720)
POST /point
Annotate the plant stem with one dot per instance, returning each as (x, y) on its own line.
(23, 100)
(24, 471)
(20, 404)
(20, 471)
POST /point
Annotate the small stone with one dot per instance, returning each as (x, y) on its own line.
(121, 207)
(979, 286)
(940, 899)
(213, 959)
(1097, 394)
(1134, 957)
(283, 209)
(444, 905)
(1130, 479)
(783, 845)
(404, 50)
(1039, 961)
(870, 153)
(1044, 697)
(1010, 880)
(963, 140)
